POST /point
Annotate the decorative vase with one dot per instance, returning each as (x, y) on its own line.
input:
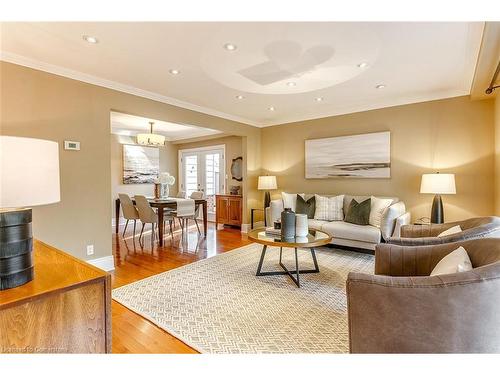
(165, 190)
(157, 191)
(301, 225)
(288, 223)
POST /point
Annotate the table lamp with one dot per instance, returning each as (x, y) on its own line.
(267, 183)
(437, 183)
(29, 176)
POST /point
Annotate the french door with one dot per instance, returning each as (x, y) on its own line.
(203, 169)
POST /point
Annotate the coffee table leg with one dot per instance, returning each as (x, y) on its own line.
(297, 267)
(281, 252)
(262, 255)
(313, 254)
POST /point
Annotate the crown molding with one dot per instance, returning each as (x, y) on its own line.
(93, 80)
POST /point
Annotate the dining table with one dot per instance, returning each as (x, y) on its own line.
(160, 204)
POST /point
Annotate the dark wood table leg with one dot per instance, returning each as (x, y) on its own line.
(205, 218)
(251, 218)
(160, 225)
(117, 215)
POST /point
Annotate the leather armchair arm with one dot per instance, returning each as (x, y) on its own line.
(395, 260)
(439, 314)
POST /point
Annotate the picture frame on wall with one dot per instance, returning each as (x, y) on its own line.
(141, 164)
(353, 156)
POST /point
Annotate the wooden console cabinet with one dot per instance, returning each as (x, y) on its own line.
(66, 308)
(228, 209)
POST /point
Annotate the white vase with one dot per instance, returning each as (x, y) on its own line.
(301, 225)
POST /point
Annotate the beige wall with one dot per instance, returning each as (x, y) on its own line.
(42, 105)
(233, 150)
(454, 135)
(497, 154)
(168, 163)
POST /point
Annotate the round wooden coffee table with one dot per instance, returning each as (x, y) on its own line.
(314, 239)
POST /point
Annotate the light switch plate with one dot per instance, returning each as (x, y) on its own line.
(72, 145)
(90, 249)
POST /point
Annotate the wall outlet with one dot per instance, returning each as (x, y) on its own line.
(90, 249)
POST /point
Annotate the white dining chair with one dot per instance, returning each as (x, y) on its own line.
(196, 195)
(129, 211)
(146, 214)
(185, 209)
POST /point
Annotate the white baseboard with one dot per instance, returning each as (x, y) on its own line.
(105, 263)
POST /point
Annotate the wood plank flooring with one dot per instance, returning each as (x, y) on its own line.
(132, 333)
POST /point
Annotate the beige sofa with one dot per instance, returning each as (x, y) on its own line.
(401, 309)
(352, 235)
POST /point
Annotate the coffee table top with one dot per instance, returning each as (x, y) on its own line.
(314, 238)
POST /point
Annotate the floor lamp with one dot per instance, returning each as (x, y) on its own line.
(437, 183)
(267, 183)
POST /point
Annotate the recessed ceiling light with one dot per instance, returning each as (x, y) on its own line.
(271, 108)
(291, 84)
(381, 86)
(90, 39)
(240, 97)
(362, 65)
(319, 99)
(230, 46)
(174, 71)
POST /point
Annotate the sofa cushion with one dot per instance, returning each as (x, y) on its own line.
(290, 200)
(306, 207)
(379, 205)
(316, 224)
(329, 208)
(348, 231)
(359, 212)
(361, 198)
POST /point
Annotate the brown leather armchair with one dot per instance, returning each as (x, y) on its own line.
(478, 227)
(401, 309)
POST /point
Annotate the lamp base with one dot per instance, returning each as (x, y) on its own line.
(267, 199)
(437, 212)
(16, 246)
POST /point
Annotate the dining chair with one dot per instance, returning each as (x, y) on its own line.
(196, 195)
(146, 214)
(129, 211)
(181, 194)
(185, 210)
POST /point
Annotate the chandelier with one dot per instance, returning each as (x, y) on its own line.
(150, 139)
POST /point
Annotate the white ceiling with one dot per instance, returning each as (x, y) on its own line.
(125, 124)
(416, 61)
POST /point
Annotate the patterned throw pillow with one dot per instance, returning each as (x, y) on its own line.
(306, 207)
(359, 213)
(329, 208)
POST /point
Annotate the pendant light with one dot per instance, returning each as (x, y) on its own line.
(150, 139)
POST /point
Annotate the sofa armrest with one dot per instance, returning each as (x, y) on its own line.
(439, 314)
(273, 212)
(404, 219)
(388, 222)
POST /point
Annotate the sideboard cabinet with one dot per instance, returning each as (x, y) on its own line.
(228, 209)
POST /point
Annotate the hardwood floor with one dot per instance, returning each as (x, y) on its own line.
(132, 333)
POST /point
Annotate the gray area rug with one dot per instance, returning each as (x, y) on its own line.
(218, 305)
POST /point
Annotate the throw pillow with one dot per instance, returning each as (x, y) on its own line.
(456, 261)
(306, 207)
(290, 200)
(378, 206)
(449, 231)
(359, 212)
(329, 208)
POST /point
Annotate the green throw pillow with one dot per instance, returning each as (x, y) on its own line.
(359, 213)
(306, 207)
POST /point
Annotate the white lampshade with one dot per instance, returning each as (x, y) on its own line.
(267, 183)
(29, 172)
(150, 139)
(438, 183)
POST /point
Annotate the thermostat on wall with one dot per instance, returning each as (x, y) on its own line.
(72, 145)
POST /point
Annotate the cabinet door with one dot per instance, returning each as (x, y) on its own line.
(235, 211)
(222, 210)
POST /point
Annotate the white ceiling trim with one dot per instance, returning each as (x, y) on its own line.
(87, 78)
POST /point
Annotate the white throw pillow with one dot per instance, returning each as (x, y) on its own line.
(456, 261)
(290, 200)
(452, 230)
(378, 206)
(329, 208)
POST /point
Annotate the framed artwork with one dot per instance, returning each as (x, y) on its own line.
(141, 165)
(358, 156)
(237, 169)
